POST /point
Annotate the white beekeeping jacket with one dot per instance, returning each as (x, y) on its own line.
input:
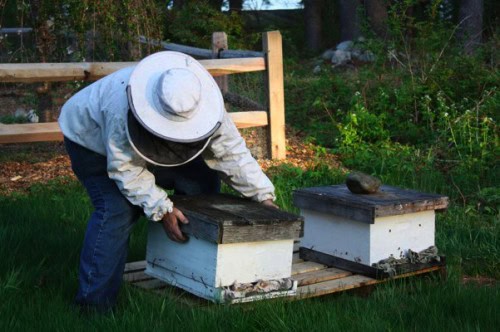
(96, 118)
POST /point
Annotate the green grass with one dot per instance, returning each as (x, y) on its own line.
(41, 234)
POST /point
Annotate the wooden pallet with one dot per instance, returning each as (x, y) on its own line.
(313, 279)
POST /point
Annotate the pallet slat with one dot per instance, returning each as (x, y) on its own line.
(136, 276)
(314, 277)
(311, 283)
(135, 266)
(333, 286)
(305, 267)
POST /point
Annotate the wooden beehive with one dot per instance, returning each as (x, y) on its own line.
(365, 229)
(231, 240)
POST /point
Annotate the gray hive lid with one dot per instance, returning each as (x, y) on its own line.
(229, 219)
(389, 201)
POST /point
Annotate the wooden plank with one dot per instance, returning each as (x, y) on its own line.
(218, 67)
(135, 266)
(50, 131)
(338, 200)
(201, 52)
(307, 266)
(274, 58)
(30, 132)
(254, 233)
(136, 276)
(237, 219)
(59, 72)
(333, 286)
(315, 277)
(249, 119)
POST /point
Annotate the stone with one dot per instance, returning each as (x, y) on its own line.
(345, 45)
(327, 55)
(341, 57)
(367, 56)
(361, 183)
(317, 69)
(20, 113)
(32, 116)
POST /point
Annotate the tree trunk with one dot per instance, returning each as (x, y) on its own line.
(178, 4)
(349, 19)
(471, 24)
(217, 4)
(312, 16)
(235, 5)
(376, 11)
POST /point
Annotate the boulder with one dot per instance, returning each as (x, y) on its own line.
(345, 46)
(327, 55)
(341, 57)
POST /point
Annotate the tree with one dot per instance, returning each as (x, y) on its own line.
(471, 24)
(235, 5)
(376, 11)
(312, 17)
(349, 19)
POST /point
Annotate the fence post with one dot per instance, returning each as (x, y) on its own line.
(219, 43)
(271, 44)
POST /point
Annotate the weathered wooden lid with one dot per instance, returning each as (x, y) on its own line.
(228, 219)
(389, 201)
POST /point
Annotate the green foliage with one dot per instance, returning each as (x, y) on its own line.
(71, 30)
(423, 114)
(194, 24)
(40, 251)
(8, 119)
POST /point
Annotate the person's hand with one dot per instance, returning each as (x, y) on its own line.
(171, 225)
(270, 203)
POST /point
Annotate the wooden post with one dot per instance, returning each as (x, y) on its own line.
(219, 43)
(271, 44)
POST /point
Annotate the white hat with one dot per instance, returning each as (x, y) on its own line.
(178, 103)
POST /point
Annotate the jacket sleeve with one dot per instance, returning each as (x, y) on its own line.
(129, 171)
(229, 155)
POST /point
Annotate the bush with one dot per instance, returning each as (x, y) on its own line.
(194, 24)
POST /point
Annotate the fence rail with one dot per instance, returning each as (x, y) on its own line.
(270, 60)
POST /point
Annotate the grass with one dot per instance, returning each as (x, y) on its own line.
(41, 233)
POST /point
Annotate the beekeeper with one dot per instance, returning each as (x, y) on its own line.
(136, 133)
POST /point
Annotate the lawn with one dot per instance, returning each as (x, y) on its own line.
(41, 233)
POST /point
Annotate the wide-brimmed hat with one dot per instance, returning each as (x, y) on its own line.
(175, 107)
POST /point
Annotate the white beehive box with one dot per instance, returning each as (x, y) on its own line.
(367, 228)
(231, 240)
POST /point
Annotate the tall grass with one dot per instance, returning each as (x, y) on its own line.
(41, 234)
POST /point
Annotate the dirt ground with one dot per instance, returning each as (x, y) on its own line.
(22, 165)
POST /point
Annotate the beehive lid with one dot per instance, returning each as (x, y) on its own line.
(389, 201)
(228, 219)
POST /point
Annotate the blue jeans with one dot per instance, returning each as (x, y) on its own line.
(105, 246)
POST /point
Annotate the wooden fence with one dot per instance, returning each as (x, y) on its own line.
(227, 62)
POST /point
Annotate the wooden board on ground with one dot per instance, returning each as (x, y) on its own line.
(313, 280)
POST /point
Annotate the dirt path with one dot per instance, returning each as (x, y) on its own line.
(23, 165)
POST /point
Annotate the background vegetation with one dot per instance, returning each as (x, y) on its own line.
(422, 115)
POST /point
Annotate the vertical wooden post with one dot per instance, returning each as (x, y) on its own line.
(219, 42)
(271, 44)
